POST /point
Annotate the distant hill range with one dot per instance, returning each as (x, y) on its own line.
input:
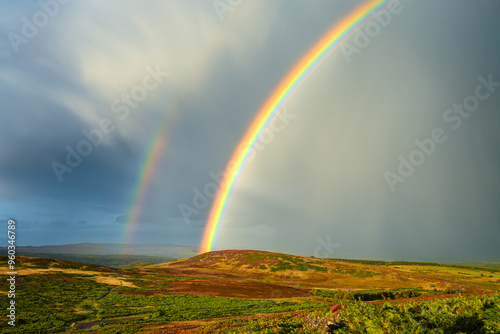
(164, 250)
(123, 261)
(495, 265)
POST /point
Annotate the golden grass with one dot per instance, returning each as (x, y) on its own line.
(464, 276)
(98, 276)
(112, 280)
(339, 275)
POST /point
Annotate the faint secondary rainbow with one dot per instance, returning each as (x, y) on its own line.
(293, 80)
(154, 151)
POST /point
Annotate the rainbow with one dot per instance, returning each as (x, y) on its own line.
(151, 157)
(293, 80)
(145, 176)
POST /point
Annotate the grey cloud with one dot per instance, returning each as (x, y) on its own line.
(322, 176)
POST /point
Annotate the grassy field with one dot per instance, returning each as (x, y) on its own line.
(250, 292)
(111, 260)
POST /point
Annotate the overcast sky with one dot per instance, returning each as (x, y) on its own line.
(390, 149)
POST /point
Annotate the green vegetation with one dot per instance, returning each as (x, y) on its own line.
(379, 294)
(171, 307)
(155, 282)
(61, 299)
(356, 272)
(471, 314)
(278, 262)
(369, 262)
(280, 323)
(112, 261)
(43, 263)
(253, 258)
(135, 265)
(46, 303)
(296, 263)
(52, 302)
(493, 267)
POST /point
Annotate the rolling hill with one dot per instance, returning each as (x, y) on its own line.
(247, 291)
(312, 273)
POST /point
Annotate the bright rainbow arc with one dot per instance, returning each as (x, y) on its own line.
(294, 79)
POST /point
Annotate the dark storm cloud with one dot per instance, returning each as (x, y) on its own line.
(64, 80)
(37, 125)
(45, 130)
